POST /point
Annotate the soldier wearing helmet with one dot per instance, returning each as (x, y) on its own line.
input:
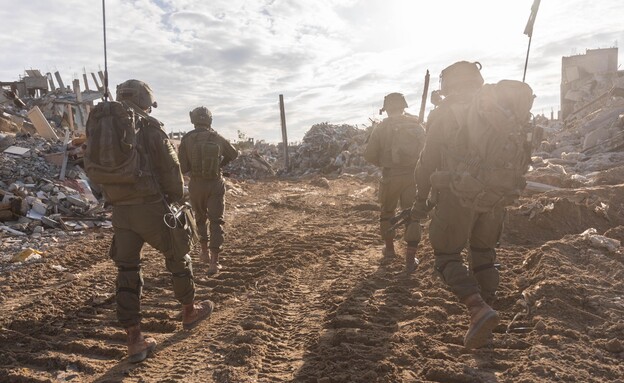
(138, 211)
(452, 225)
(203, 152)
(394, 145)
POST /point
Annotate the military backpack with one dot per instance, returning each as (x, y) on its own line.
(491, 152)
(112, 155)
(407, 139)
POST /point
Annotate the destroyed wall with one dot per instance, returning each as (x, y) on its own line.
(583, 77)
(586, 148)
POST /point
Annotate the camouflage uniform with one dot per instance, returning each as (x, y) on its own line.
(207, 195)
(138, 211)
(397, 160)
(139, 178)
(453, 226)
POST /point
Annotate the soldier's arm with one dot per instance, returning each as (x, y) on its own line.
(430, 157)
(228, 151)
(185, 165)
(373, 148)
(166, 165)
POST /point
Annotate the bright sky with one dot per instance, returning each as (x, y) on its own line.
(333, 60)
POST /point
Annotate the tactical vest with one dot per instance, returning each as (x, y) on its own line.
(205, 156)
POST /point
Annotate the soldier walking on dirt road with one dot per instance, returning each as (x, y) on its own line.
(452, 225)
(394, 145)
(139, 208)
(203, 152)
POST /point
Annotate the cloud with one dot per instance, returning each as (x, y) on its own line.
(333, 60)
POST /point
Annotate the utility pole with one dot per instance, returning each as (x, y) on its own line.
(284, 135)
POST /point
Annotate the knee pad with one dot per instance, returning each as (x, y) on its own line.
(442, 263)
(182, 268)
(488, 277)
(129, 280)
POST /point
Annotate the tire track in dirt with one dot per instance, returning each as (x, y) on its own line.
(305, 296)
(279, 285)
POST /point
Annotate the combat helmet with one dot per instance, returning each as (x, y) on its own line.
(461, 76)
(136, 92)
(393, 101)
(201, 116)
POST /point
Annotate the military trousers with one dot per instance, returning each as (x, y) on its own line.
(452, 228)
(134, 225)
(397, 190)
(208, 201)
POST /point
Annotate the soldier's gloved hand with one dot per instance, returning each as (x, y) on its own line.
(420, 209)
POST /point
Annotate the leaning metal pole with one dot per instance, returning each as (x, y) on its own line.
(526, 62)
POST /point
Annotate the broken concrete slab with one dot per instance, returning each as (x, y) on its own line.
(11, 231)
(41, 123)
(16, 150)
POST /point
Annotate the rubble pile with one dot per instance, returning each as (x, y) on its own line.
(44, 193)
(255, 161)
(326, 148)
(575, 152)
(36, 205)
(329, 148)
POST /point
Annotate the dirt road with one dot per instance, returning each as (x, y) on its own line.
(305, 296)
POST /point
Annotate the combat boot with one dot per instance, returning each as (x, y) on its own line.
(194, 313)
(410, 259)
(388, 251)
(203, 255)
(483, 319)
(215, 266)
(138, 346)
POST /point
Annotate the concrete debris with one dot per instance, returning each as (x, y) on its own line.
(44, 193)
(18, 151)
(590, 140)
(332, 149)
(252, 164)
(325, 149)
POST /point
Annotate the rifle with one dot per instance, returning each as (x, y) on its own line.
(423, 102)
(402, 218)
(405, 216)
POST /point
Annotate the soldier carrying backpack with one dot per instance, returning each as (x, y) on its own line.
(476, 153)
(394, 145)
(129, 155)
(203, 152)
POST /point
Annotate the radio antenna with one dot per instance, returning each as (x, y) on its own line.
(105, 57)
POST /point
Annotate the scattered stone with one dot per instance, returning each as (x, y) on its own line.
(614, 346)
